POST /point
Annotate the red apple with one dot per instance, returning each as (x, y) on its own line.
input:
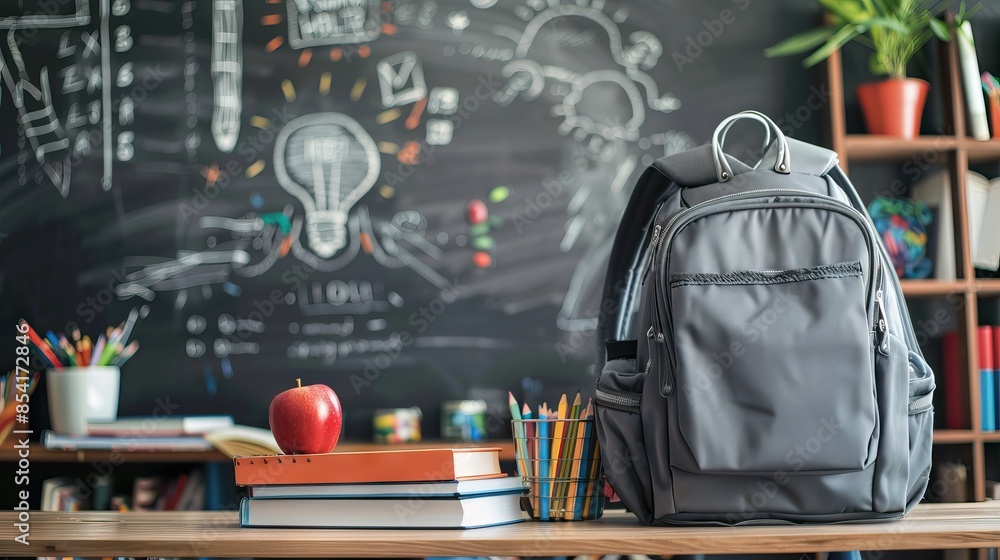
(306, 419)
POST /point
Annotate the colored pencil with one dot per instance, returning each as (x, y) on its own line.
(543, 466)
(98, 350)
(110, 348)
(566, 449)
(518, 427)
(88, 346)
(530, 448)
(68, 349)
(557, 445)
(40, 347)
(587, 455)
(126, 353)
(129, 324)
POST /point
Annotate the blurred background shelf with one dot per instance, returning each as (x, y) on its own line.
(41, 454)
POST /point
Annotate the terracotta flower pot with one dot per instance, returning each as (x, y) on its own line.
(893, 107)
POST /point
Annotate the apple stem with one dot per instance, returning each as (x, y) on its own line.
(298, 381)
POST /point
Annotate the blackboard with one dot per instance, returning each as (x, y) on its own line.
(411, 201)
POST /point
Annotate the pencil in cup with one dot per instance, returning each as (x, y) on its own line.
(576, 492)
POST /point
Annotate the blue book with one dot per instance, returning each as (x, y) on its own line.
(52, 440)
(987, 379)
(987, 388)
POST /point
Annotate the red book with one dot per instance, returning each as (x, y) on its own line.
(407, 465)
(955, 405)
(986, 357)
(176, 492)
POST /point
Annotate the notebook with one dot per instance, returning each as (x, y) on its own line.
(52, 440)
(156, 427)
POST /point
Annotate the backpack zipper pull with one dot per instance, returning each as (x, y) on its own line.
(881, 328)
(652, 252)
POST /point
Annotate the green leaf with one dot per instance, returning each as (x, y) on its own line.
(972, 11)
(850, 11)
(876, 67)
(841, 38)
(800, 43)
(940, 29)
(888, 23)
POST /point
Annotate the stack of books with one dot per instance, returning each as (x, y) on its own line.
(426, 488)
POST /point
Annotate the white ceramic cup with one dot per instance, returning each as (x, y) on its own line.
(78, 395)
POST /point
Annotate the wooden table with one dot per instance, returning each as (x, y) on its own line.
(973, 525)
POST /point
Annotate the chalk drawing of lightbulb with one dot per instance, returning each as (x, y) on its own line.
(327, 161)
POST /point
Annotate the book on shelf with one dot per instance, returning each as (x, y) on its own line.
(984, 221)
(972, 83)
(150, 426)
(232, 441)
(992, 490)
(52, 440)
(450, 489)
(60, 494)
(951, 482)
(411, 512)
(935, 192)
(241, 441)
(996, 377)
(956, 404)
(407, 465)
(987, 379)
(146, 491)
(983, 211)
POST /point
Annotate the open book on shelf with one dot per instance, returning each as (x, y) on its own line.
(242, 441)
(983, 201)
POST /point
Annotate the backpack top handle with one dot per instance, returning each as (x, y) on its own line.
(724, 171)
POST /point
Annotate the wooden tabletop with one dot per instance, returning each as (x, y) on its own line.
(974, 525)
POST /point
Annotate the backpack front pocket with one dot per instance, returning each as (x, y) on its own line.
(773, 371)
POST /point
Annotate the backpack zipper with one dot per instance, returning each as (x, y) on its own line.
(654, 247)
(627, 401)
(715, 206)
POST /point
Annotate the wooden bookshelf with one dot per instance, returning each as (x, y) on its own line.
(40, 454)
(865, 147)
(954, 436)
(955, 151)
(929, 288)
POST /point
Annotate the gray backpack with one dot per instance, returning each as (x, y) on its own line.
(758, 364)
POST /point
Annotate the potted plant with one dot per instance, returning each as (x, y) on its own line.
(895, 30)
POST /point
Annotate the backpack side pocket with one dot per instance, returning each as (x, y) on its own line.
(619, 430)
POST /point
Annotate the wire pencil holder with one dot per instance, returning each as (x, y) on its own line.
(560, 466)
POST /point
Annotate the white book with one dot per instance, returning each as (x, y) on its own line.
(52, 440)
(972, 81)
(166, 426)
(983, 208)
(992, 490)
(935, 192)
(456, 488)
(987, 253)
(976, 197)
(383, 513)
